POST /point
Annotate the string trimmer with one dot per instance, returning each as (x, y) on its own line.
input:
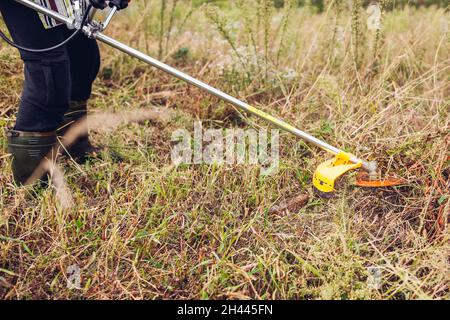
(326, 174)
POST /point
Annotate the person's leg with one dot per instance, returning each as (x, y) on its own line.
(46, 90)
(84, 57)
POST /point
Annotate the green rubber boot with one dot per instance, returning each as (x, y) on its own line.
(81, 149)
(28, 149)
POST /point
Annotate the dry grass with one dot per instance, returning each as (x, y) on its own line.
(143, 228)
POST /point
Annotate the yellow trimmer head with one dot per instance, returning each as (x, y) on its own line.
(328, 172)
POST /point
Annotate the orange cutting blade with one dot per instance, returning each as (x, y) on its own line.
(364, 180)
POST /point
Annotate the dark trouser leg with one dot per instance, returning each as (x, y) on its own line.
(46, 90)
(84, 56)
(85, 63)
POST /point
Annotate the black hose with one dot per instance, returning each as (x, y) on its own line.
(83, 22)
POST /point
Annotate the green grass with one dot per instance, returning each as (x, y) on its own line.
(143, 228)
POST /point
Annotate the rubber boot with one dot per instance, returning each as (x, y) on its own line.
(81, 149)
(28, 149)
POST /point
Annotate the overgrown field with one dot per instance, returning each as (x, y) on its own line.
(139, 227)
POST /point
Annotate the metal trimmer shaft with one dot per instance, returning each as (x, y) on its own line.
(368, 166)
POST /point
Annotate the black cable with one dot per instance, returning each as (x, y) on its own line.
(83, 22)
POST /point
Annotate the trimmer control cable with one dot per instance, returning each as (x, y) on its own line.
(77, 32)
